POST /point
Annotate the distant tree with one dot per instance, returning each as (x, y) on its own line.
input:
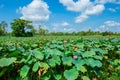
(46, 31)
(82, 33)
(20, 26)
(1, 32)
(67, 33)
(107, 33)
(3, 26)
(52, 33)
(33, 31)
(73, 33)
(42, 31)
(59, 33)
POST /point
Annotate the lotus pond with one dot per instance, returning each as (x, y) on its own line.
(73, 58)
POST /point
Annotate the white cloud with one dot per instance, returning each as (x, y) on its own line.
(36, 11)
(91, 10)
(81, 18)
(59, 29)
(77, 6)
(112, 23)
(61, 24)
(94, 9)
(65, 24)
(107, 1)
(109, 26)
(86, 28)
(103, 1)
(103, 27)
(69, 29)
(85, 7)
(62, 27)
(112, 10)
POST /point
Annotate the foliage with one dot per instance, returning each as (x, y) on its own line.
(20, 26)
(24, 28)
(6, 61)
(3, 26)
(71, 74)
(78, 59)
(42, 31)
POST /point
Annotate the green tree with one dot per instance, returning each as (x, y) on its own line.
(1, 32)
(33, 31)
(42, 31)
(20, 26)
(73, 33)
(3, 26)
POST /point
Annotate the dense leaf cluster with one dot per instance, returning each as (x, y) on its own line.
(82, 59)
(19, 27)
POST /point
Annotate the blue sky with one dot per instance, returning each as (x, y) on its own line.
(64, 15)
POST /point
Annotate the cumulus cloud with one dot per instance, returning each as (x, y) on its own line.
(86, 28)
(61, 24)
(112, 23)
(36, 11)
(65, 24)
(103, 28)
(109, 26)
(94, 9)
(112, 10)
(77, 6)
(81, 18)
(91, 10)
(87, 7)
(107, 1)
(62, 27)
(69, 29)
(84, 7)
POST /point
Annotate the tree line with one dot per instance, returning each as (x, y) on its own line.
(24, 28)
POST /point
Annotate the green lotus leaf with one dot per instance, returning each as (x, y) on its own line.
(118, 52)
(57, 59)
(51, 62)
(101, 51)
(35, 67)
(28, 58)
(94, 63)
(38, 54)
(24, 71)
(57, 76)
(116, 62)
(34, 45)
(98, 57)
(57, 52)
(1, 48)
(67, 61)
(11, 48)
(60, 47)
(26, 78)
(21, 49)
(71, 74)
(14, 54)
(44, 65)
(85, 78)
(82, 69)
(7, 61)
(79, 62)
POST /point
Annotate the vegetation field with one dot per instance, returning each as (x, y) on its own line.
(60, 58)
